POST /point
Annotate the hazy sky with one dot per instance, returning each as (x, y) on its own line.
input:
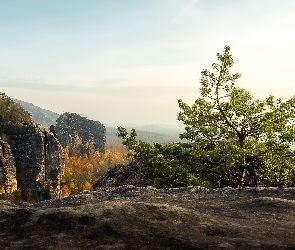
(130, 60)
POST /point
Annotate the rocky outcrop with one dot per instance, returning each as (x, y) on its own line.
(129, 217)
(38, 161)
(31, 158)
(75, 131)
(129, 174)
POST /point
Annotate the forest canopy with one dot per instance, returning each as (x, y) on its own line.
(233, 139)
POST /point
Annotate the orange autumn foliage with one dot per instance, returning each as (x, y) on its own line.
(81, 171)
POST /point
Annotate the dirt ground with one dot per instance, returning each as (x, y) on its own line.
(129, 217)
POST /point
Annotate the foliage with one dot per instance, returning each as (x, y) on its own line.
(256, 134)
(12, 114)
(14, 197)
(168, 163)
(82, 170)
(235, 140)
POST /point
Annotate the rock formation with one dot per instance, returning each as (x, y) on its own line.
(74, 130)
(34, 159)
(130, 174)
(31, 158)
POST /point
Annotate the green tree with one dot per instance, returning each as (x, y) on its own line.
(169, 165)
(233, 139)
(242, 141)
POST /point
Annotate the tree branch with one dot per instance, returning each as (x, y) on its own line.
(222, 112)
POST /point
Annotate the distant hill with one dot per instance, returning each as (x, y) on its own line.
(42, 116)
(154, 128)
(148, 133)
(146, 136)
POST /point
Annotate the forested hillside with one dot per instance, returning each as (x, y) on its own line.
(43, 116)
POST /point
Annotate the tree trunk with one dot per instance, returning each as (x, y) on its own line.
(243, 177)
(243, 167)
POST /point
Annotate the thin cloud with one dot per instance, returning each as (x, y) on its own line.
(85, 87)
(34, 84)
(109, 82)
(184, 10)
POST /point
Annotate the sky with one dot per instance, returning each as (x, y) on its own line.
(128, 61)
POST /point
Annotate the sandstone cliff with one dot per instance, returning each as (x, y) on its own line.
(32, 161)
(31, 158)
(87, 136)
(38, 161)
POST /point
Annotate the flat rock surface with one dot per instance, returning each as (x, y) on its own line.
(129, 217)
